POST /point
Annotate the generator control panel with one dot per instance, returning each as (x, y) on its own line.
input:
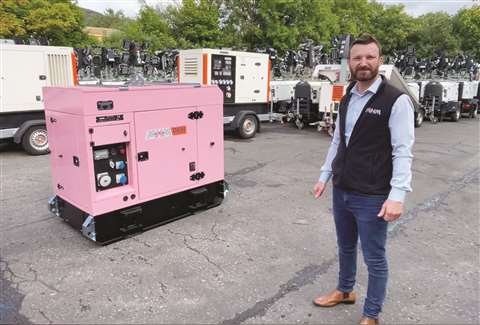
(110, 166)
(223, 75)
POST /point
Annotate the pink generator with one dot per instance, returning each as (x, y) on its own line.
(130, 158)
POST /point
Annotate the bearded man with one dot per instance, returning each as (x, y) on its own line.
(370, 160)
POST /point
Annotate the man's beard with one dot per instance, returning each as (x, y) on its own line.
(361, 75)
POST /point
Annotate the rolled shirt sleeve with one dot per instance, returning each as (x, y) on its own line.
(401, 125)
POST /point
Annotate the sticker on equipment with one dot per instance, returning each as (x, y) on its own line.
(165, 132)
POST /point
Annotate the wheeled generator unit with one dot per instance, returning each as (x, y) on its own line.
(243, 77)
(311, 100)
(127, 159)
(441, 97)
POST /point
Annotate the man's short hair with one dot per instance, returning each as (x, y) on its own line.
(365, 39)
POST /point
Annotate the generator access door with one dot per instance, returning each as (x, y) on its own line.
(252, 80)
(166, 143)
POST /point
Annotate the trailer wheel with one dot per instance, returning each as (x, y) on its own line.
(419, 118)
(35, 140)
(331, 130)
(300, 125)
(248, 127)
(456, 115)
(474, 112)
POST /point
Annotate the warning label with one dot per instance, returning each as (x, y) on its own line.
(165, 132)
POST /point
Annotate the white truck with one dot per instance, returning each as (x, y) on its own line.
(24, 70)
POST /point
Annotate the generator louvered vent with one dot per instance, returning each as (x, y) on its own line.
(190, 66)
(59, 67)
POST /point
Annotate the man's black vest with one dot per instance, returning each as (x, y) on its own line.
(365, 165)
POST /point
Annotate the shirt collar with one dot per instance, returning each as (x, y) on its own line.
(372, 89)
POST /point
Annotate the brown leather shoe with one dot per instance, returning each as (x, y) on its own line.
(334, 298)
(368, 321)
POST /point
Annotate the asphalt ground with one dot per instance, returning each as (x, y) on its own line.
(260, 257)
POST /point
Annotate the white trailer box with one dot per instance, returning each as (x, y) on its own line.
(321, 94)
(24, 70)
(243, 77)
(332, 71)
(469, 97)
(450, 91)
(469, 89)
(282, 90)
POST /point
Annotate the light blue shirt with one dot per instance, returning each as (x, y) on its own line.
(401, 125)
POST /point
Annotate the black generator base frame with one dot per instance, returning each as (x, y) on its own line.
(116, 225)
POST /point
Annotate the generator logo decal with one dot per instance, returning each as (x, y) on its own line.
(153, 134)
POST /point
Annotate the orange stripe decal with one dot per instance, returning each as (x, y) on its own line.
(205, 69)
(177, 59)
(268, 79)
(74, 69)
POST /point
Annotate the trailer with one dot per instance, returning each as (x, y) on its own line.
(282, 94)
(312, 99)
(441, 97)
(24, 70)
(243, 78)
(469, 97)
(307, 102)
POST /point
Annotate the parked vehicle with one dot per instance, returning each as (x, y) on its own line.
(24, 70)
(244, 79)
(442, 98)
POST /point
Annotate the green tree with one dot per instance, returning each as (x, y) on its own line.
(149, 27)
(466, 25)
(434, 34)
(10, 25)
(59, 21)
(240, 23)
(354, 17)
(391, 26)
(281, 24)
(195, 23)
(286, 23)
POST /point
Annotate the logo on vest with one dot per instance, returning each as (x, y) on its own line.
(375, 111)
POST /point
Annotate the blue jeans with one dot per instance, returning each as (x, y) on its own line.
(356, 215)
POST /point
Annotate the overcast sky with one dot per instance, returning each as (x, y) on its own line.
(412, 7)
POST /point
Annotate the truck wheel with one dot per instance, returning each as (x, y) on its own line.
(419, 118)
(248, 127)
(456, 115)
(35, 140)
